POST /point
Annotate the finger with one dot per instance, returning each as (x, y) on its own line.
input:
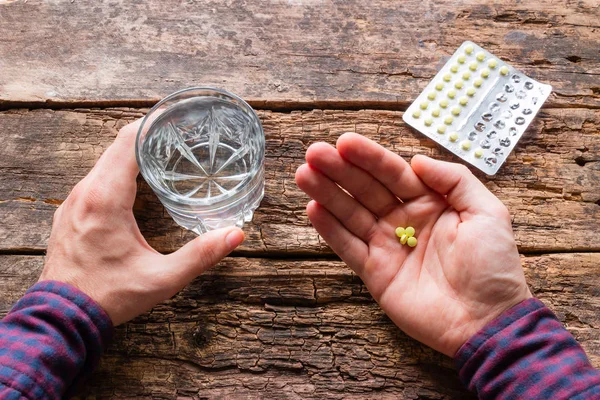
(389, 168)
(118, 161)
(463, 191)
(362, 186)
(351, 249)
(347, 210)
(203, 253)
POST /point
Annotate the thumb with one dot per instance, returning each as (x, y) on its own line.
(463, 191)
(204, 252)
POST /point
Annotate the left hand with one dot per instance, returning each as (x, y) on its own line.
(96, 245)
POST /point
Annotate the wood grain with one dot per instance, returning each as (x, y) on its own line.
(262, 328)
(551, 183)
(285, 53)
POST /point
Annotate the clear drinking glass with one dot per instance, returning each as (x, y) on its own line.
(202, 150)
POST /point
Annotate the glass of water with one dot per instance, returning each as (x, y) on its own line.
(202, 151)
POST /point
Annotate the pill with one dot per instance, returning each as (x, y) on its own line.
(454, 68)
(431, 96)
(453, 137)
(416, 113)
(469, 48)
(504, 70)
(471, 91)
(480, 56)
(478, 153)
(473, 66)
(447, 77)
(439, 86)
(443, 103)
(458, 84)
(492, 63)
(451, 93)
(411, 241)
(485, 73)
(428, 121)
(435, 112)
(461, 59)
(478, 82)
(456, 111)
(441, 130)
(466, 75)
(410, 231)
(463, 101)
(399, 231)
(466, 145)
(403, 239)
(448, 120)
(424, 105)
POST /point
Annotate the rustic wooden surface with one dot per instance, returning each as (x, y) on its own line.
(279, 52)
(283, 318)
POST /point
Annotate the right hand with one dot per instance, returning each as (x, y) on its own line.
(465, 269)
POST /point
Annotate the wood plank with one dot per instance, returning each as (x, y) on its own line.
(280, 53)
(551, 183)
(262, 328)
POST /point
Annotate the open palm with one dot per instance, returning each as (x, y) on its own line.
(465, 269)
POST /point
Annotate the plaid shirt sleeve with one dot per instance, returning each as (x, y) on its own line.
(526, 353)
(50, 341)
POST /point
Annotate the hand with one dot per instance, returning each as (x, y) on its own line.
(465, 269)
(96, 245)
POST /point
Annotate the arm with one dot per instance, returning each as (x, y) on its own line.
(464, 272)
(99, 272)
(51, 339)
(527, 353)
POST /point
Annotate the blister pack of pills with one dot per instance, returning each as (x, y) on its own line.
(478, 107)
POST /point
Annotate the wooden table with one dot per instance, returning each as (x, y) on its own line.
(283, 317)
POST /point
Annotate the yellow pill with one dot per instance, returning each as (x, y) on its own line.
(439, 86)
(504, 70)
(411, 241)
(428, 121)
(480, 56)
(454, 68)
(478, 82)
(448, 120)
(478, 153)
(456, 111)
(492, 63)
(463, 101)
(458, 84)
(471, 91)
(431, 96)
(451, 93)
(466, 145)
(399, 231)
(441, 130)
(469, 48)
(424, 105)
(410, 231)
(416, 113)
(453, 137)
(461, 59)
(473, 66)
(447, 77)
(443, 103)
(466, 75)
(485, 73)
(403, 239)
(435, 112)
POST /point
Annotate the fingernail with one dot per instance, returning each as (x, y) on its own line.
(234, 238)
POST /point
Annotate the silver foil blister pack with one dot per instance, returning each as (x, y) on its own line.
(478, 107)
